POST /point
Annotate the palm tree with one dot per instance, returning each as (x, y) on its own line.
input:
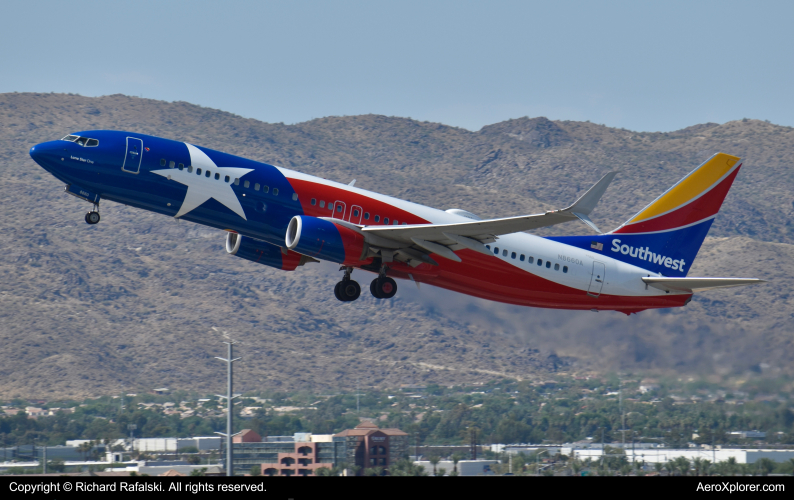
(658, 466)
(670, 467)
(84, 449)
(682, 464)
(697, 463)
(456, 457)
(731, 465)
(434, 459)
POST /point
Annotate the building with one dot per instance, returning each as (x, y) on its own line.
(304, 453)
(464, 467)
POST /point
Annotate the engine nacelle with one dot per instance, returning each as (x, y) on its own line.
(263, 253)
(324, 240)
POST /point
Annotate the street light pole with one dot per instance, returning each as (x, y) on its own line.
(229, 405)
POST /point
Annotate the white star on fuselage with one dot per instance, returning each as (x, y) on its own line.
(201, 188)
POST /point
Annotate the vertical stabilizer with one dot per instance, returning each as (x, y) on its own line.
(665, 236)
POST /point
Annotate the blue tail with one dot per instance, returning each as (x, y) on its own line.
(665, 236)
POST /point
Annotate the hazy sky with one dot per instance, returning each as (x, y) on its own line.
(649, 66)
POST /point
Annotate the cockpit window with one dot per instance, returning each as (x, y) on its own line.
(82, 141)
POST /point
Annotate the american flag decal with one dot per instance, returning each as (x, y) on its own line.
(596, 245)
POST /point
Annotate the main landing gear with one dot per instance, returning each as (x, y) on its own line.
(381, 287)
(347, 290)
(92, 217)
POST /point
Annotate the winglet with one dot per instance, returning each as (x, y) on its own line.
(587, 202)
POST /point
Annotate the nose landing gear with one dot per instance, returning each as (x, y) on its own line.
(92, 217)
(347, 290)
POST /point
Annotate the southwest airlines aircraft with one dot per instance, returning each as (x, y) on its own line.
(284, 219)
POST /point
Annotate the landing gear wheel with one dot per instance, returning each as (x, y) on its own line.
(385, 287)
(374, 289)
(347, 290)
(92, 217)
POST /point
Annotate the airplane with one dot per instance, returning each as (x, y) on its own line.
(285, 219)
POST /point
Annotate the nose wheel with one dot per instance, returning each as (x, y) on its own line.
(347, 290)
(92, 217)
(383, 287)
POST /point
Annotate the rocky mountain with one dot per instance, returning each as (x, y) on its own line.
(141, 300)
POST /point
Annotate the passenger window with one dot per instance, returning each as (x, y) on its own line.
(355, 213)
(256, 187)
(540, 262)
(548, 264)
(496, 250)
(92, 143)
(488, 247)
(366, 215)
(339, 208)
(521, 258)
(322, 204)
(208, 174)
(181, 167)
(386, 220)
(314, 201)
(190, 169)
(198, 171)
(405, 223)
(265, 189)
(217, 176)
(504, 253)
(275, 191)
(171, 164)
(236, 181)
(294, 196)
(377, 218)
(565, 269)
(513, 255)
(162, 162)
(226, 179)
(246, 184)
(530, 259)
(556, 267)
(395, 222)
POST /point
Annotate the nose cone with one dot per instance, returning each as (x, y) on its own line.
(48, 154)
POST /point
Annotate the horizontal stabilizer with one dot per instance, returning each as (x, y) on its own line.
(698, 284)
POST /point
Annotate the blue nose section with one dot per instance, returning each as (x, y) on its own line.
(48, 154)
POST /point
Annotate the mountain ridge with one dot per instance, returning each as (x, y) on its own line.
(132, 302)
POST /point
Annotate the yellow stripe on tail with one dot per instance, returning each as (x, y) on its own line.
(691, 186)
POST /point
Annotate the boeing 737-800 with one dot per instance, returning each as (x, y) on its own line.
(282, 218)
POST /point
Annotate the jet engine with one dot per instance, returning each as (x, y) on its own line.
(264, 253)
(325, 240)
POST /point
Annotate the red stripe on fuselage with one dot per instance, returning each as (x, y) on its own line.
(494, 279)
(308, 190)
(705, 206)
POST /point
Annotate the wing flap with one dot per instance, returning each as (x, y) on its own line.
(697, 284)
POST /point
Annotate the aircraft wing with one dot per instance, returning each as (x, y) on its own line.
(698, 284)
(486, 230)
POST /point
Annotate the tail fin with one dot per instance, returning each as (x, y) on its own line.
(665, 236)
